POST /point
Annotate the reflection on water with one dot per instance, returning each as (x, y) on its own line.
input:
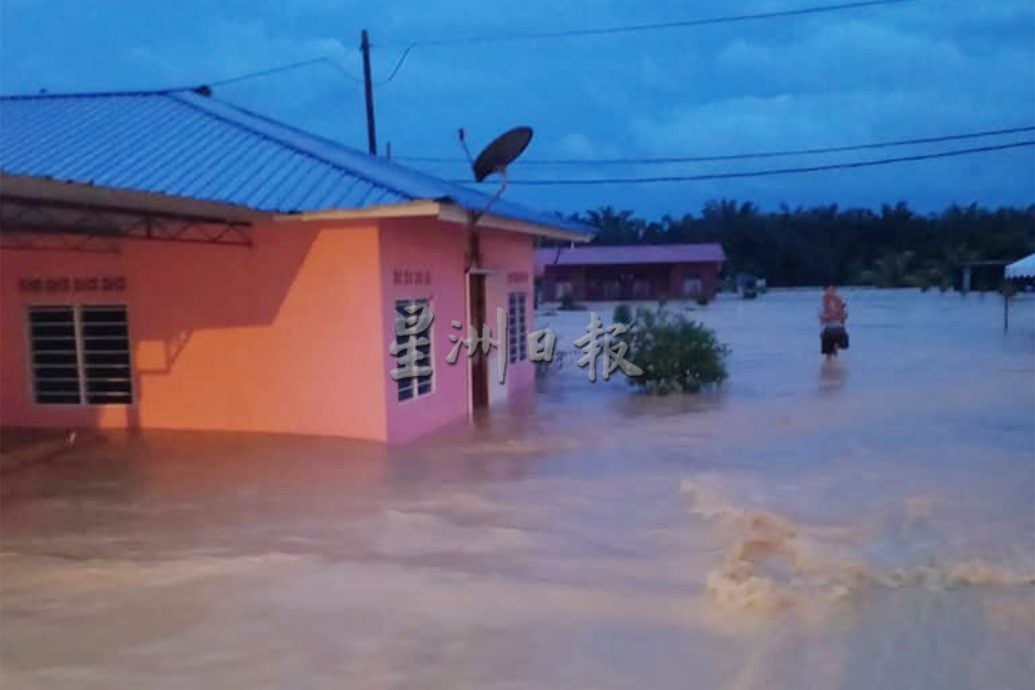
(832, 375)
(878, 534)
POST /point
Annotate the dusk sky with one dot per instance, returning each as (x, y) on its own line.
(872, 74)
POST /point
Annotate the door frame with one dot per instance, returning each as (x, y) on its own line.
(477, 363)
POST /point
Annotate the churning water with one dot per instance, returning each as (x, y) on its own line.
(863, 523)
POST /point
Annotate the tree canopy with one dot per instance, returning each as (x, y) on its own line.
(892, 247)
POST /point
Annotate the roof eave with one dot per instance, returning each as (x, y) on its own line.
(444, 211)
(410, 209)
(116, 198)
(455, 214)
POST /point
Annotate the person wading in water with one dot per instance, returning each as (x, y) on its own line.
(833, 337)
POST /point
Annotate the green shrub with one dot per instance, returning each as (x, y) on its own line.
(676, 354)
(622, 314)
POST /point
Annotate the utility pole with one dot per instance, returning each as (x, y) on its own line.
(368, 87)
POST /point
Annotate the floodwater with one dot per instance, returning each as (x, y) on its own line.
(865, 523)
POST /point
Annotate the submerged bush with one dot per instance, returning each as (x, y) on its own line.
(676, 354)
(622, 314)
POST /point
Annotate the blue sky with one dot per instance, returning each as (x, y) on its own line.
(914, 69)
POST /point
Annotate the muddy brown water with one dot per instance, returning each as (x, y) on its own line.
(864, 523)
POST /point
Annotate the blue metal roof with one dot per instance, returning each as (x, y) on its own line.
(185, 144)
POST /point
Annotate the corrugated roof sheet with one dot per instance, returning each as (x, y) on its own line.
(185, 144)
(634, 254)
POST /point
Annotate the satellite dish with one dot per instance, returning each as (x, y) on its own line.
(494, 158)
(503, 151)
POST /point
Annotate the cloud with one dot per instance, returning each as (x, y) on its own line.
(856, 55)
(911, 69)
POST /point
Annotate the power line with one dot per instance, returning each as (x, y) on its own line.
(635, 28)
(738, 156)
(631, 28)
(285, 68)
(771, 171)
(816, 9)
(398, 65)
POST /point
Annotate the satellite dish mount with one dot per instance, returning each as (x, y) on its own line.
(494, 158)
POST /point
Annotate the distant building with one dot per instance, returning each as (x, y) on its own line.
(638, 272)
(172, 261)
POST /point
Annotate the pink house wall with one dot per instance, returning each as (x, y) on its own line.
(276, 337)
(268, 338)
(412, 246)
(432, 249)
(510, 257)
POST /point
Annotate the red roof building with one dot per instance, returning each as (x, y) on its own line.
(638, 272)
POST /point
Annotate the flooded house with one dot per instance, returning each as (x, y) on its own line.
(172, 261)
(638, 272)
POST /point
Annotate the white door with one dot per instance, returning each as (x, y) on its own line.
(692, 287)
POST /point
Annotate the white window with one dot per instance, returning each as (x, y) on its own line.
(517, 329)
(692, 287)
(409, 387)
(80, 354)
(641, 288)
